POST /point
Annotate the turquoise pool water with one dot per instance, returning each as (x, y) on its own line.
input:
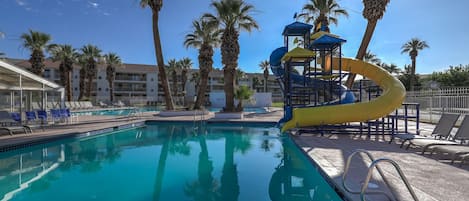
(164, 161)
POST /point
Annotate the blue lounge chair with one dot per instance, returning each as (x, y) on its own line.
(11, 125)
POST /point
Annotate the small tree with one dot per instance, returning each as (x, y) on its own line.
(243, 93)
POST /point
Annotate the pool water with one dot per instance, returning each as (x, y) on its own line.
(166, 161)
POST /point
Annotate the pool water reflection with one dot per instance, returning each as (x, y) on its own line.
(166, 161)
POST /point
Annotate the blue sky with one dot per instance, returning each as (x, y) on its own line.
(122, 26)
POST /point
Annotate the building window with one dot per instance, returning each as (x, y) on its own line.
(107, 89)
(152, 90)
(99, 89)
(76, 89)
(76, 77)
(99, 77)
(152, 80)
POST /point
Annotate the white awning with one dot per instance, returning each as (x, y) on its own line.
(11, 75)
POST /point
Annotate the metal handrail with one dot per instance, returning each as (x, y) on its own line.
(346, 170)
(399, 171)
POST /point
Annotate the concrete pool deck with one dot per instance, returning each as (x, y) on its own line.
(431, 178)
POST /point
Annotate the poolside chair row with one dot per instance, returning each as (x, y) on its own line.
(441, 140)
(79, 105)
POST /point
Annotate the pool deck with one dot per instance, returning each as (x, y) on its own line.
(432, 178)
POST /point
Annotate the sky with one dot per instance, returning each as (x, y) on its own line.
(123, 27)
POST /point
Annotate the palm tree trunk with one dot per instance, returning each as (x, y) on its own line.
(111, 90)
(265, 84)
(370, 28)
(82, 83)
(412, 76)
(89, 86)
(201, 89)
(229, 74)
(160, 169)
(159, 58)
(69, 86)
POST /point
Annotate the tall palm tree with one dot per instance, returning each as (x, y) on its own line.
(232, 16)
(204, 37)
(322, 11)
(265, 66)
(90, 55)
(413, 47)
(186, 65)
(173, 69)
(373, 11)
(67, 56)
(371, 58)
(112, 60)
(155, 6)
(36, 42)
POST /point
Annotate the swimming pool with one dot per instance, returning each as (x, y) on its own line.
(166, 161)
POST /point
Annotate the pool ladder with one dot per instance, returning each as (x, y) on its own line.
(372, 166)
(198, 117)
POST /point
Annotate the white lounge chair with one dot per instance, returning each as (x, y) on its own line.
(442, 129)
(461, 136)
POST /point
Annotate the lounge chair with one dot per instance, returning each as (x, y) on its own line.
(11, 125)
(68, 104)
(461, 135)
(102, 104)
(119, 104)
(454, 151)
(76, 105)
(441, 131)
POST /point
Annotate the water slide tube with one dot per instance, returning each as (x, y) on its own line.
(391, 98)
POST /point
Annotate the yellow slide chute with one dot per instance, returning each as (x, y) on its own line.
(392, 97)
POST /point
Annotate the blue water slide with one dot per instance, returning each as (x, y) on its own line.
(297, 79)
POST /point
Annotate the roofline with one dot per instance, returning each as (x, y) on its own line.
(28, 74)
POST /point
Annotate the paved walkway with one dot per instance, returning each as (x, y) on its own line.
(432, 178)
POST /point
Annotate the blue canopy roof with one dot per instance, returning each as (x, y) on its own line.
(297, 28)
(327, 40)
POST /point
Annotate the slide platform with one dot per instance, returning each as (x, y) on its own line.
(392, 97)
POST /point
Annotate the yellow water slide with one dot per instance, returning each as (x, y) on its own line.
(391, 99)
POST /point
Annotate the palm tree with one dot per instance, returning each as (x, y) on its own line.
(90, 55)
(373, 11)
(413, 47)
(186, 65)
(391, 68)
(155, 6)
(36, 42)
(205, 37)
(67, 56)
(232, 16)
(112, 60)
(371, 58)
(255, 83)
(322, 12)
(243, 93)
(240, 74)
(173, 68)
(195, 78)
(265, 66)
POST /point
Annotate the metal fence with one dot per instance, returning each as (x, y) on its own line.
(437, 101)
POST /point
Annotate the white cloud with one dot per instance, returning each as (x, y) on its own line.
(21, 3)
(93, 4)
(106, 13)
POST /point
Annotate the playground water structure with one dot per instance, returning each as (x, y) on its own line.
(336, 104)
